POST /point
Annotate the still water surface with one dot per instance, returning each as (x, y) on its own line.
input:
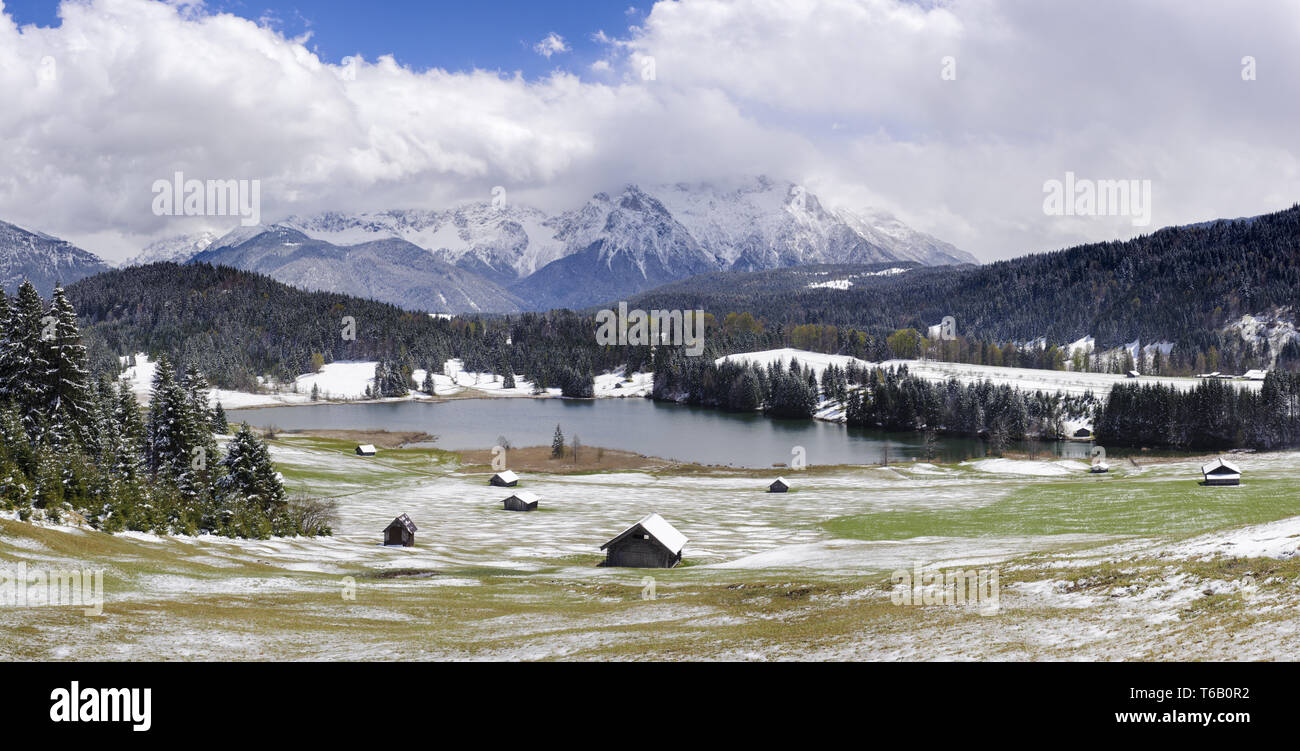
(672, 431)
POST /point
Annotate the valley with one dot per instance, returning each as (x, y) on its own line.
(1141, 564)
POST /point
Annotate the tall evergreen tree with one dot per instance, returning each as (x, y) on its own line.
(167, 432)
(252, 496)
(26, 371)
(557, 444)
(68, 389)
(220, 424)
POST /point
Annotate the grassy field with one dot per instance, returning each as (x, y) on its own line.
(1088, 567)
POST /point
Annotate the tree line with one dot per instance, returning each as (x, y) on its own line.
(73, 443)
(1213, 415)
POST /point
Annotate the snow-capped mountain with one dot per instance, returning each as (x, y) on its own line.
(178, 249)
(762, 224)
(389, 269)
(500, 242)
(903, 242)
(43, 259)
(619, 244)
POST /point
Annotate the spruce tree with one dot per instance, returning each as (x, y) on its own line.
(168, 431)
(68, 389)
(557, 444)
(219, 422)
(250, 490)
(26, 371)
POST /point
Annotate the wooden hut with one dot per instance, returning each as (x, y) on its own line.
(1083, 434)
(400, 532)
(1132, 374)
(365, 449)
(650, 543)
(1221, 472)
(504, 479)
(779, 485)
(1099, 468)
(522, 501)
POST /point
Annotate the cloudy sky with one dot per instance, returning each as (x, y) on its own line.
(353, 106)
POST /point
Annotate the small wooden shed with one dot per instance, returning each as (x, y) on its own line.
(504, 479)
(522, 501)
(1132, 374)
(779, 485)
(650, 543)
(400, 532)
(1083, 433)
(365, 449)
(1221, 472)
(1099, 468)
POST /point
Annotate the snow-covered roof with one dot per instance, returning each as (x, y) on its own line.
(525, 496)
(366, 448)
(507, 476)
(1220, 463)
(655, 526)
(1255, 375)
(782, 481)
(405, 521)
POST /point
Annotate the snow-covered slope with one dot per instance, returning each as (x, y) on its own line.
(178, 249)
(390, 270)
(502, 243)
(43, 259)
(901, 241)
(621, 243)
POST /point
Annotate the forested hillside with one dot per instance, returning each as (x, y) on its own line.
(236, 326)
(74, 444)
(1180, 284)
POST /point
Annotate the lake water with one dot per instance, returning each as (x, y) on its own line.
(672, 431)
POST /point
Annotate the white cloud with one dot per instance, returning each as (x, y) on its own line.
(844, 96)
(553, 44)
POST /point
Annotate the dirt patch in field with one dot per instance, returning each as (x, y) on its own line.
(384, 439)
(590, 459)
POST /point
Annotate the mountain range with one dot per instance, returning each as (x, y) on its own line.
(504, 257)
(44, 260)
(498, 256)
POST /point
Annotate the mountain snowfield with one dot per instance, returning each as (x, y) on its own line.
(612, 246)
(178, 249)
(43, 259)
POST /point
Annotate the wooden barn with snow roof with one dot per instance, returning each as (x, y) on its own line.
(650, 543)
(504, 479)
(400, 532)
(365, 449)
(522, 501)
(779, 485)
(1221, 472)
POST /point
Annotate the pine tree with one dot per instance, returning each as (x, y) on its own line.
(67, 389)
(557, 444)
(252, 495)
(167, 433)
(26, 372)
(219, 422)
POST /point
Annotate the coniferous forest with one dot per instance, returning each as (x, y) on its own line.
(76, 443)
